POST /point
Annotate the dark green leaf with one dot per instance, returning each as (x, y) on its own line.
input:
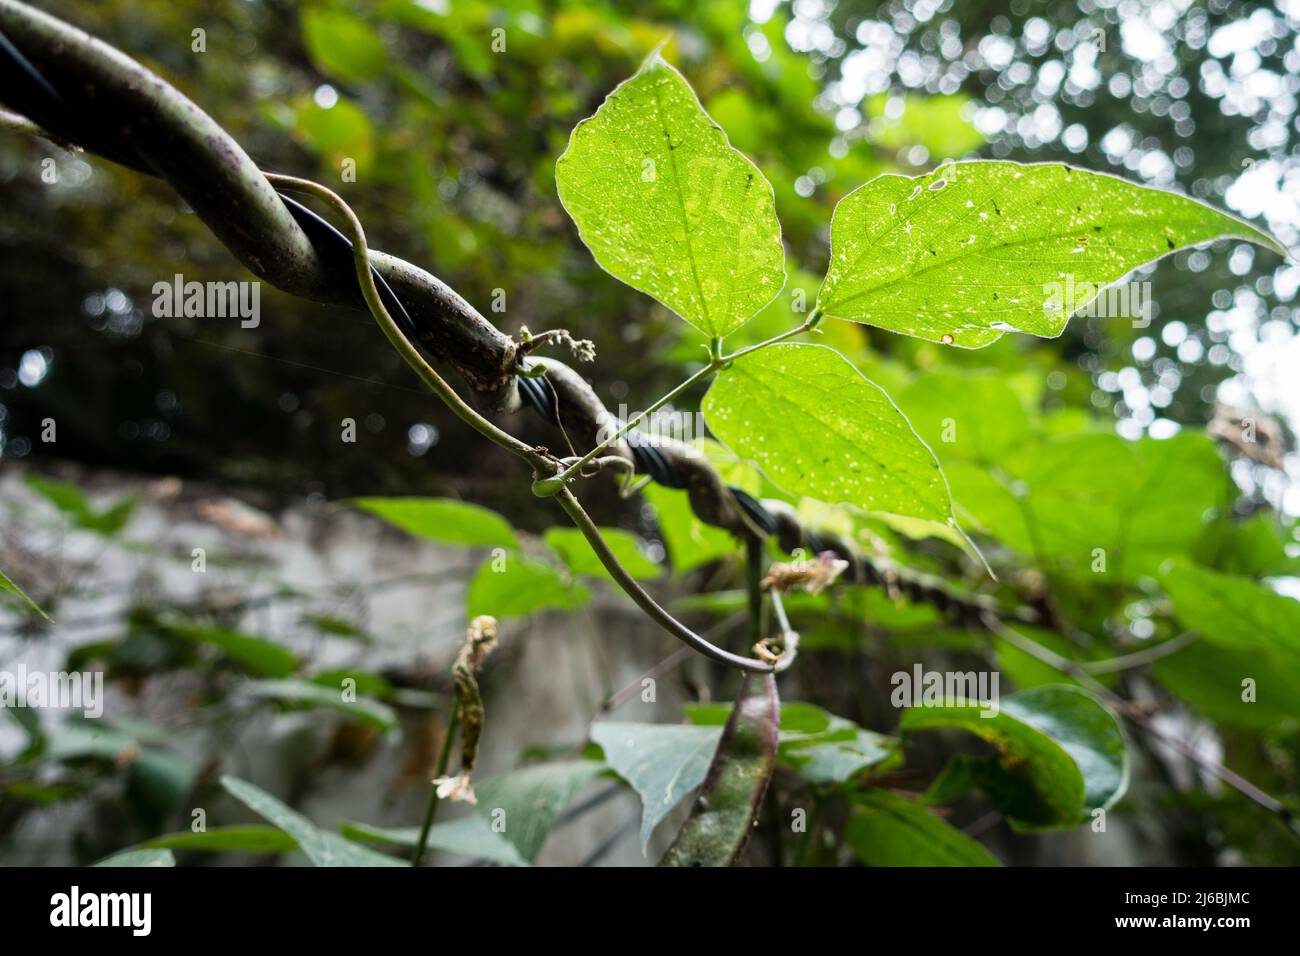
(889, 830)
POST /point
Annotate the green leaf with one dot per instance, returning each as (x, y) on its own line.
(662, 762)
(690, 542)
(1096, 504)
(889, 830)
(574, 550)
(139, 858)
(312, 694)
(444, 520)
(520, 587)
(7, 586)
(338, 132)
(342, 44)
(320, 846)
(69, 499)
(1213, 680)
(1029, 781)
(665, 203)
(973, 415)
(1040, 786)
(532, 798)
(254, 654)
(724, 814)
(236, 839)
(972, 250)
(1231, 611)
(470, 836)
(1086, 730)
(819, 428)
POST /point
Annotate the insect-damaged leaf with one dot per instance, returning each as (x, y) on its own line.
(666, 204)
(818, 427)
(718, 828)
(975, 249)
(1061, 754)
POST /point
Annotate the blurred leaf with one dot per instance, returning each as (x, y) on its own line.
(1254, 547)
(520, 587)
(665, 203)
(817, 427)
(889, 830)
(1213, 680)
(973, 249)
(156, 782)
(1086, 730)
(1099, 505)
(336, 133)
(71, 502)
(662, 762)
(531, 798)
(938, 123)
(690, 542)
(139, 858)
(312, 694)
(1041, 785)
(1232, 611)
(470, 836)
(320, 846)
(7, 586)
(254, 654)
(237, 839)
(574, 550)
(443, 520)
(342, 44)
(965, 414)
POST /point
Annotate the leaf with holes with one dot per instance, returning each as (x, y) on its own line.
(666, 204)
(818, 427)
(972, 250)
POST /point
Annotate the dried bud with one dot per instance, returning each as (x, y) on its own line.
(810, 576)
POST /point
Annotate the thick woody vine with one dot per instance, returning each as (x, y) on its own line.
(78, 92)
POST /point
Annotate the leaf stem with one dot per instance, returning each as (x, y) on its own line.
(808, 325)
(716, 361)
(642, 598)
(576, 466)
(365, 276)
(431, 808)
